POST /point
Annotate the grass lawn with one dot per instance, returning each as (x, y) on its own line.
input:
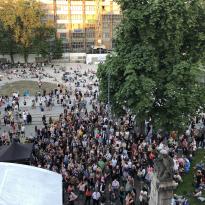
(21, 86)
(186, 188)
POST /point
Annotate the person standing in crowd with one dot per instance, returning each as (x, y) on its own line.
(81, 188)
(88, 195)
(122, 195)
(29, 118)
(72, 198)
(22, 130)
(25, 117)
(129, 200)
(96, 197)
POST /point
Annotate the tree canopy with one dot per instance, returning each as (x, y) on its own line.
(57, 49)
(7, 43)
(23, 21)
(153, 70)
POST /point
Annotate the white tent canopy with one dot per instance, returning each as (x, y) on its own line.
(27, 185)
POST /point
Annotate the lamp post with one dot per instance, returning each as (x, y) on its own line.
(108, 105)
(92, 47)
(108, 96)
(100, 43)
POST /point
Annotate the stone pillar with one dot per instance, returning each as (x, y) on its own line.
(161, 192)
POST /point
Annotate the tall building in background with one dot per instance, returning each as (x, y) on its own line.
(84, 25)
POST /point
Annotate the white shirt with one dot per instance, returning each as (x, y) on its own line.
(130, 164)
(108, 156)
(82, 187)
(22, 129)
(176, 164)
(115, 184)
(114, 162)
(96, 195)
(24, 116)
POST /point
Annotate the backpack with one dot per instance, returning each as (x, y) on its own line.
(88, 193)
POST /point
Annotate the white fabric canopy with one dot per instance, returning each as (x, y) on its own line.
(27, 185)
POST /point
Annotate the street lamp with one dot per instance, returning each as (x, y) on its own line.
(108, 103)
(100, 43)
(108, 95)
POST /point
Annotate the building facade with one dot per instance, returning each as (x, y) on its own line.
(84, 25)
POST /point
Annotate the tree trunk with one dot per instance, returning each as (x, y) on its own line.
(26, 56)
(12, 57)
(140, 127)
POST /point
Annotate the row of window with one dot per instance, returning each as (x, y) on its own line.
(90, 8)
(73, 17)
(62, 17)
(61, 26)
(79, 26)
(74, 26)
(62, 7)
(63, 36)
(90, 35)
(89, 18)
(106, 35)
(109, 17)
(75, 8)
(80, 46)
(80, 35)
(77, 17)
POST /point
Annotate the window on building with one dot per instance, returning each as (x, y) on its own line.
(62, 7)
(62, 17)
(50, 16)
(76, 17)
(90, 26)
(77, 45)
(90, 8)
(77, 35)
(61, 26)
(90, 34)
(65, 47)
(90, 44)
(106, 35)
(62, 35)
(76, 8)
(106, 25)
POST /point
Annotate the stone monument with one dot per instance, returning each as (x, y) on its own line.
(162, 185)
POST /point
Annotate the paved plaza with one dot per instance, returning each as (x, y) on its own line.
(54, 73)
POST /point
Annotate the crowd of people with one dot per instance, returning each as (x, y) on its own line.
(102, 160)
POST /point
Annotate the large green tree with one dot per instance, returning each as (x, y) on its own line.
(42, 43)
(57, 48)
(24, 21)
(153, 71)
(7, 43)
